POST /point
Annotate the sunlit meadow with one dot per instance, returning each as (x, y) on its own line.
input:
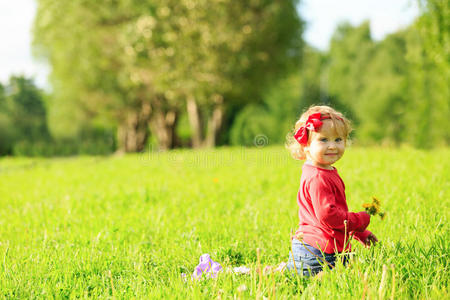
(128, 227)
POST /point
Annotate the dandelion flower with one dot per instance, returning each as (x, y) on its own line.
(374, 208)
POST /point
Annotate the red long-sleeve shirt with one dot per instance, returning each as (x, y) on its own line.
(323, 209)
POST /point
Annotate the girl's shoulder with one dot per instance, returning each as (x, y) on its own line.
(312, 174)
(311, 171)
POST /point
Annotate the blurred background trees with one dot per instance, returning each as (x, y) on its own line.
(131, 74)
(22, 115)
(141, 65)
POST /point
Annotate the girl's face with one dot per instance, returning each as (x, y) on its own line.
(326, 146)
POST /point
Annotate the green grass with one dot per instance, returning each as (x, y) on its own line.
(127, 227)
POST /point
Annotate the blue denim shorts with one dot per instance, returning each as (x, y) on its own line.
(307, 263)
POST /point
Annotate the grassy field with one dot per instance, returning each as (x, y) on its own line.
(128, 227)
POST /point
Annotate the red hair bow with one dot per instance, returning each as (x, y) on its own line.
(314, 122)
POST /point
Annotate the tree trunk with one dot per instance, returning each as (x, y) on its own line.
(195, 122)
(215, 122)
(132, 133)
(163, 124)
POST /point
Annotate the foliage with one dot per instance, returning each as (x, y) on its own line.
(22, 114)
(397, 88)
(284, 101)
(127, 64)
(94, 227)
(351, 49)
(6, 128)
(123, 55)
(89, 80)
(26, 109)
(384, 100)
(428, 54)
(252, 122)
(89, 140)
(23, 126)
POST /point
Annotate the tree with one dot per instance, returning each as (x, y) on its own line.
(27, 110)
(22, 114)
(90, 77)
(382, 103)
(398, 87)
(6, 127)
(283, 103)
(140, 62)
(351, 50)
(246, 46)
(209, 55)
(428, 54)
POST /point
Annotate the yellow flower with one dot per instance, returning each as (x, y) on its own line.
(375, 200)
(371, 208)
(374, 208)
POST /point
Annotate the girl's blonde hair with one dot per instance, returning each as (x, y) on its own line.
(341, 124)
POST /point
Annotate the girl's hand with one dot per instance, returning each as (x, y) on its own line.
(371, 240)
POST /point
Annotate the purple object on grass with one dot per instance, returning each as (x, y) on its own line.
(206, 266)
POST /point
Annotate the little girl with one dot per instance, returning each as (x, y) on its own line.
(325, 225)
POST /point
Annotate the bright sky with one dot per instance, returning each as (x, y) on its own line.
(386, 16)
(322, 16)
(16, 17)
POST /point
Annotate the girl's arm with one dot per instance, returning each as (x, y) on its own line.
(329, 214)
(361, 236)
(367, 238)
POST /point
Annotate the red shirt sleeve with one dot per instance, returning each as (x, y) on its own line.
(361, 236)
(329, 213)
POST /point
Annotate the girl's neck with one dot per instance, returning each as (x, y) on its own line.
(311, 163)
